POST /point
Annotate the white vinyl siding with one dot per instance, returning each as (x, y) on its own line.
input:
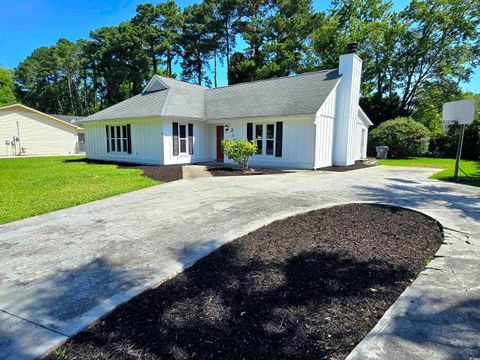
(297, 143)
(203, 142)
(146, 141)
(39, 135)
(324, 124)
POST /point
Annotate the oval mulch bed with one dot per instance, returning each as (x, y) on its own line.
(310, 286)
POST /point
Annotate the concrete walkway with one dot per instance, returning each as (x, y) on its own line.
(191, 172)
(62, 270)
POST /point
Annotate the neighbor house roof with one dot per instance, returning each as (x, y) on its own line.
(29, 109)
(290, 95)
(72, 119)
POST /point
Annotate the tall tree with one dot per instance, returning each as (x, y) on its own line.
(121, 62)
(146, 21)
(286, 33)
(198, 42)
(7, 87)
(442, 42)
(252, 26)
(170, 23)
(430, 41)
(225, 28)
(38, 82)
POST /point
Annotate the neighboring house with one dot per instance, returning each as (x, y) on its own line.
(305, 121)
(26, 131)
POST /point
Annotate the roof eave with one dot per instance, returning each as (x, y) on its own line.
(26, 108)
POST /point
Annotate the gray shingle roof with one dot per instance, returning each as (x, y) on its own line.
(292, 95)
(72, 119)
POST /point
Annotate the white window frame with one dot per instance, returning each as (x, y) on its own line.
(264, 138)
(114, 139)
(180, 152)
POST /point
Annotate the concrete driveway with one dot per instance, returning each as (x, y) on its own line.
(61, 271)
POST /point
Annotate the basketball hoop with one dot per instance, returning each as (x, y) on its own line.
(462, 113)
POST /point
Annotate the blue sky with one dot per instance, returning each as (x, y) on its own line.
(28, 24)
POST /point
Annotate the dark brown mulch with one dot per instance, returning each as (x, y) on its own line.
(165, 173)
(358, 165)
(229, 171)
(310, 286)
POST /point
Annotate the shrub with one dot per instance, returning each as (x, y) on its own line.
(445, 145)
(239, 150)
(404, 136)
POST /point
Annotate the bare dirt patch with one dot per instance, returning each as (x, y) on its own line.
(164, 173)
(310, 286)
(217, 170)
(358, 165)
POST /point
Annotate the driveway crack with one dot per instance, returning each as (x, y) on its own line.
(34, 323)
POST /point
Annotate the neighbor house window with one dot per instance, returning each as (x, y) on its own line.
(119, 139)
(182, 138)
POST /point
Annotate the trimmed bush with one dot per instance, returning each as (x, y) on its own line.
(239, 150)
(445, 145)
(404, 136)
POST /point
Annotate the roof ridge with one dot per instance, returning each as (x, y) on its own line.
(275, 78)
(182, 81)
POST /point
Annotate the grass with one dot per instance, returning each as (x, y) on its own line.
(33, 186)
(470, 167)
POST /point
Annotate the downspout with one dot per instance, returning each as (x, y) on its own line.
(315, 142)
(18, 137)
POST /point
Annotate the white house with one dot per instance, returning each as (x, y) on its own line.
(26, 131)
(305, 121)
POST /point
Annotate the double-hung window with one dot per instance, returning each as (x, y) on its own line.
(119, 138)
(268, 137)
(259, 138)
(264, 138)
(182, 139)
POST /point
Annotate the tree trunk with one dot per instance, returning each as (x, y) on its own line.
(169, 64)
(70, 93)
(215, 67)
(227, 50)
(85, 95)
(199, 71)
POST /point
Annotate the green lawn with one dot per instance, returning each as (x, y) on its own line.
(472, 168)
(32, 186)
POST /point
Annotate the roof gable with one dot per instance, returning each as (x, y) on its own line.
(29, 109)
(155, 84)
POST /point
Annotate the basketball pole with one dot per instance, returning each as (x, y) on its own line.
(459, 151)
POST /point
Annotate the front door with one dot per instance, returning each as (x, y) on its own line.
(219, 143)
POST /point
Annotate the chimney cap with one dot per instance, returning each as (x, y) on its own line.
(352, 48)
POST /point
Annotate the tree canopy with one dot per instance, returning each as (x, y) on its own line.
(7, 88)
(414, 59)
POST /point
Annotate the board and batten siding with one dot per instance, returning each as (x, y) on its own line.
(298, 143)
(201, 142)
(39, 135)
(146, 139)
(324, 123)
(361, 138)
